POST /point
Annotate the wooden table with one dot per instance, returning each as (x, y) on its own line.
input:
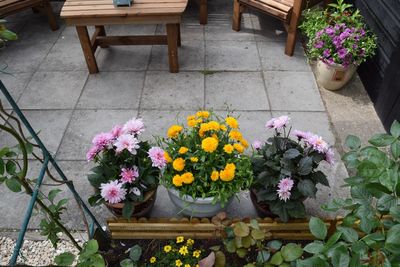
(83, 13)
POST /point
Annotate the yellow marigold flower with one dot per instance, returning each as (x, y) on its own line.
(192, 123)
(187, 265)
(190, 242)
(183, 150)
(167, 157)
(191, 117)
(232, 122)
(203, 114)
(167, 248)
(196, 253)
(180, 239)
(223, 127)
(177, 180)
(174, 130)
(214, 176)
(178, 164)
(228, 173)
(228, 148)
(235, 135)
(196, 265)
(239, 147)
(204, 127)
(215, 136)
(244, 143)
(183, 250)
(230, 166)
(213, 125)
(194, 159)
(209, 144)
(187, 178)
(178, 263)
(153, 259)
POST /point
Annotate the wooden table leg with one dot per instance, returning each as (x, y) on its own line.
(172, 40)
(179, 34)
(203, 12)
(87, 49)
(102, 32)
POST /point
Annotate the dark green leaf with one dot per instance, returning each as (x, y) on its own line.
(135, 253)
(277, 258)
(395, 212)
(353, 142)
(381, 140)
(13, 184)
(94, 200)
(312, 262)
(386, 202)
(395, 129)
(368, 169)
(11, 167)
(274, 244)
(349, 234)
(318, 228)
(395, 149)
(64, 259)
(263, 256)
(91, 247)
(320, 177)
(53, 193)
(291, 252)
(351, 159)
(389, 179)
(315, 247)
(360, 194)
(126, 263)
(127, 210)
(291, 153)
(307, 188)
(305, 166)
(393, 240)
(332, 240)
(2, 169)
(340, 257)
(61, 203)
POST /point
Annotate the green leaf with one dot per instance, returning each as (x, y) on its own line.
(389, 179)
(349, 234)
(263, 256)
(395, 149)
(307, 188)
(135, 253)
(318, 228)
(315, 247)
(395, 129)
(351, 159)
(254, 224)
(312, 262)
(2, 169)
(258, 234)
(62, 202)
(353, 142)
(381, 140)
(291, 252)
(53, 193)
(386, 202)
(230, 246)
(291, 153)
(94, 200)
(393, 240)
(13, 184)
(320, 177)
(368, 169)
(277, 258)
(11, 167)
(126, 263)
(274, 244)
(332, 240)
(305, 166)
(91, 248)
(127, 210)
(340, 257)
(241, 252)
(64, 259)
(241, 229)
(395, 212)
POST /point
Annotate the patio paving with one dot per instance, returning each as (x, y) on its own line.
(219, 68)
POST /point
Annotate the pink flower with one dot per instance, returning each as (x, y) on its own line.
(317, 143)
(270, 123)
(91, 154)
(116, 131)
(330, 156)
(257, 144)
(284, 187)
(128, 142)
(134, 126)
(277, 123)
(129, 175)
(102, 140)
(113, 192)
(156, 155)
(302, 135)
(284, 195)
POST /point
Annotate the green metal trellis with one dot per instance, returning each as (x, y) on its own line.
(48, 158)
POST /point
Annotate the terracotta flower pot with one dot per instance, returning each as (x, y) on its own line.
(333, 77)
(261, 208)
(142, 208)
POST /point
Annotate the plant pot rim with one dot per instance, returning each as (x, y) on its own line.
(147, 196)
(188, 198)
(336, 65)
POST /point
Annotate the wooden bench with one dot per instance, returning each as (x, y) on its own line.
(9, 7)
(83, 13)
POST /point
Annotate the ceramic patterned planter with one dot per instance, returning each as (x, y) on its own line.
(333, 77)
(200, 207)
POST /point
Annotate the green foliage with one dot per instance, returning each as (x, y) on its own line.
(134, 255)
(88, 257)
(5, 34)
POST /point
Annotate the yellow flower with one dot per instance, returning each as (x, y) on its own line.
(214, 175)
(190, 242)
(239, 147)
(209, 144)
(235, 135)
(204, 127)
(174, 130)
(228, 148)
(153, 259)
(178, 164)
(194, 159)
(183, 250)
(244, 143)
(187, 265)
(167, 157)
(180, 239)
(183, 150)
(228, 173)
(187, 178)
(196, 253)
(191, 117)
(191, 123)
(167, 248)
(232, 122)
(203, 114)
(177, 180)
(178, 263)
(230, 166)
(213, 125)
(223, 127)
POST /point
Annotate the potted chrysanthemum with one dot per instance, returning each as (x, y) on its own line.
(206, 166)
(127, 170)
(286, 170)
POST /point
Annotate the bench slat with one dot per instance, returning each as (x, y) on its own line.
(123, 12)
(267, 8)
(111, 7)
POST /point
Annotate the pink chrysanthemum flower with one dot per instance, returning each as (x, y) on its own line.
(113, 192)
(257, 144)
(330, 156)
(318, 143)
(128, 142)
(91, 154)
(284, 187)
(156, 155)
(116, 131)
(277, 123)
(270, 123)
(284, 195)
(302, 135)
(129, 175)
(102, 140)
(134, 126)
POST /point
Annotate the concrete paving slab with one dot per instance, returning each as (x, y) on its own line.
(122, 58)
(15, 84)
(173, 91)
(224, 32)
(233, 89)
(190, 31)
(84, 125)
(112, 90)
(37, 30)
(267, 28)
(64, 56)
(295, 91)
(53, 90)
(232, 55)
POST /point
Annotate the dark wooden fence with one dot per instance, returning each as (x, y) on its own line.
(381, 74)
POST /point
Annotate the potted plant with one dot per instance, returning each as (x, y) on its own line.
(127, 170)
(285, 170)
(339, 40)
(206, 166)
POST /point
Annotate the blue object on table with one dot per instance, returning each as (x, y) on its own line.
(122, 2)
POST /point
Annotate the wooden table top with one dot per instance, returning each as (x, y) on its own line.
(78, 9)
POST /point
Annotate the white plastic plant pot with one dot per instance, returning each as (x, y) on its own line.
(200, 207)
(335, 76)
